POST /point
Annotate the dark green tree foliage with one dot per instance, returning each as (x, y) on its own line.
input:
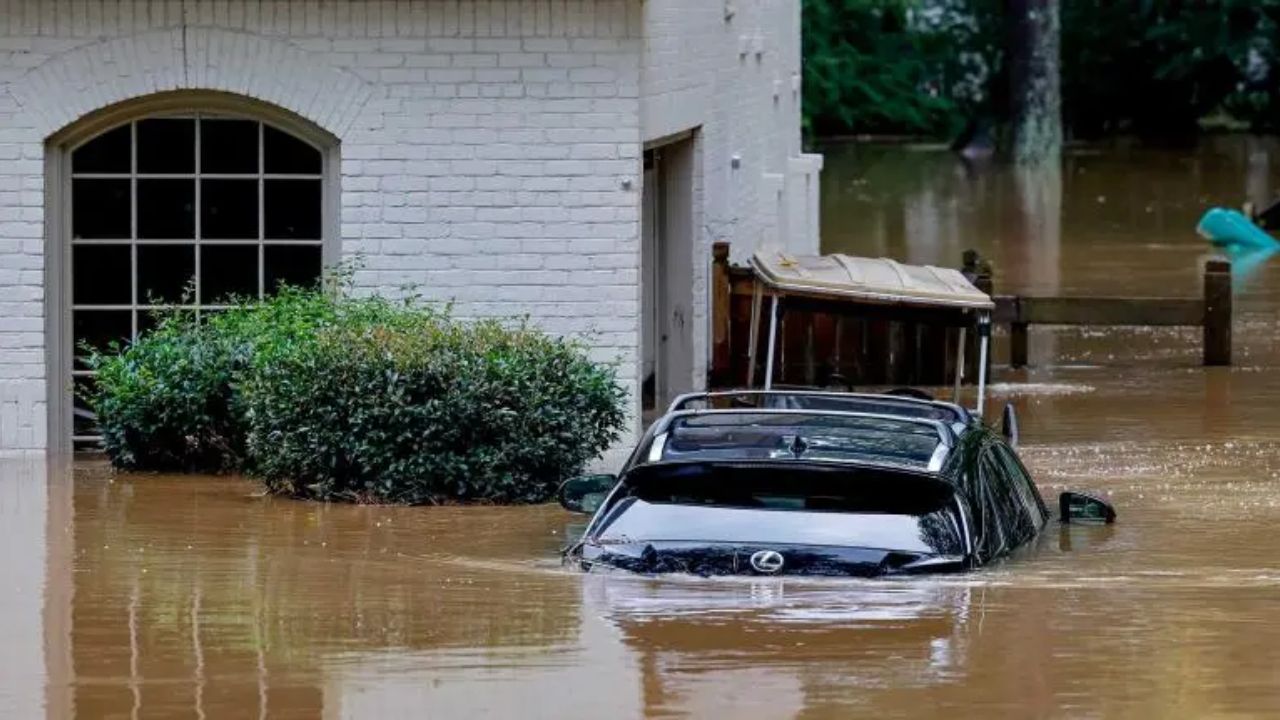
(871, 67)
(359, 399)
(1158, 68)
(1148, 67)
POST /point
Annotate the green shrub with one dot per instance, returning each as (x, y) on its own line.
(162, 403)
(419, 408)
(167, 401)
(358, 399)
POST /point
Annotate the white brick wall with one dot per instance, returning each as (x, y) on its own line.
(485, 145)
(730, 69)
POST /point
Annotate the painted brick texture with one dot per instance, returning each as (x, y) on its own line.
(489, 149)
(729, 70)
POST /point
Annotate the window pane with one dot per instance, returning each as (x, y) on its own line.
(166, 209)
(84, 422)
(107, 153)
(229, 209)
(164, 272)
(101, 275)
(99, 328)
(100, 209)
(296, 265)
(228, 146)
(167, 146)
(226, 271)
(287, 155)
(292, 209)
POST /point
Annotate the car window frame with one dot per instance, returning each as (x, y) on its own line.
(995, 534)
(1023, 483)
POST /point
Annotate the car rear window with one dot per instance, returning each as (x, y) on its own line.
(791, 504)
(765, 435)
(773, 487)
(643, 522)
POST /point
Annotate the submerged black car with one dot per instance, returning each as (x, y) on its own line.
(769, 483)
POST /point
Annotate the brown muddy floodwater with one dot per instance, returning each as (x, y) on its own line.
(194, 597)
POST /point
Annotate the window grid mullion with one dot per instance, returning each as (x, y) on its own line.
(262, 212)
(199, 291)
(191, 176)
(133, 230)
(159, 306)
(189, 241)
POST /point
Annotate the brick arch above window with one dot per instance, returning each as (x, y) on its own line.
(90, 78)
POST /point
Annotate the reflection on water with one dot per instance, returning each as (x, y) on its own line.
(155, 596)
(1120, 219)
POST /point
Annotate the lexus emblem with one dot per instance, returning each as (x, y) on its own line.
(767, 561)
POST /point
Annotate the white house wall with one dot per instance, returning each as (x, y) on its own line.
(490, 150)
(729, 70)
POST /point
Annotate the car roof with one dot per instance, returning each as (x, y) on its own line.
(818, 426)
(877, 403)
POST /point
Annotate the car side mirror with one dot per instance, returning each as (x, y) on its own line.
(1077, 507)
(1009, 425)
(585, 493)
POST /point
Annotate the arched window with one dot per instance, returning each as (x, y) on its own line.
(184, 209)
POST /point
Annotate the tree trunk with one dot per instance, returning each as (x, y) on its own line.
(1035, 92)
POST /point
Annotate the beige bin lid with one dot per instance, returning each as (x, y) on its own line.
(878, 280)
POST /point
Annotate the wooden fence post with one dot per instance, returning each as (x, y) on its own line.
(984, 283)
(1018, 350)
(721, 355)
(1217, 313)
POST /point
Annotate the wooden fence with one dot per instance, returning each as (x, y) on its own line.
(1212, 313)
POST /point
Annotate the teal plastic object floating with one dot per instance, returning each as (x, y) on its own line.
(1245, 260)
(1221, 226)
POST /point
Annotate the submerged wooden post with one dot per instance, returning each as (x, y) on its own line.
(1018, 350)
(1217, 312)
(810, 352)
(721, 349)
(753, 332)
(899, 368)
(932, 354)
(984, 283)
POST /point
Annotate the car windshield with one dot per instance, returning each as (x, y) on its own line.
(774, 436)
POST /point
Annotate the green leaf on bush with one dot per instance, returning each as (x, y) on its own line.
(364, 399)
